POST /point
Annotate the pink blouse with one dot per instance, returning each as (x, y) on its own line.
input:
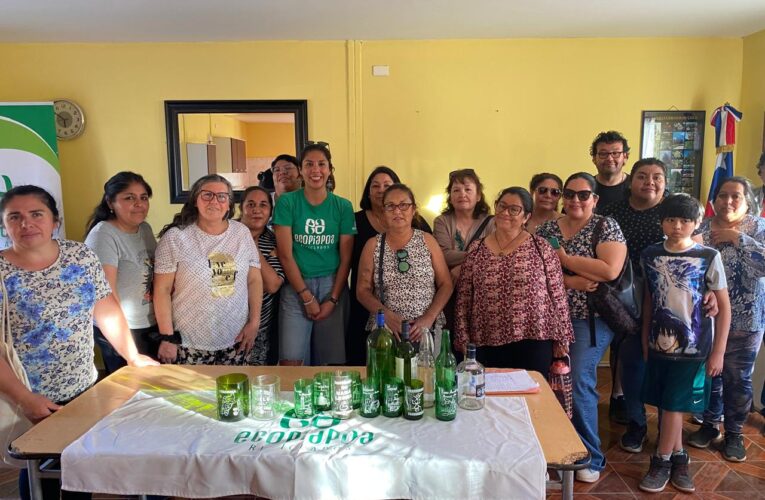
(508, 298)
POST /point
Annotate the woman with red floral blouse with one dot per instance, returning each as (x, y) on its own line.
(511, 301)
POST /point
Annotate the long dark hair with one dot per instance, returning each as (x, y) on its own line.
(366, 203)
(189, 212)
(114, 186)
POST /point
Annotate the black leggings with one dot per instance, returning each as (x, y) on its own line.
(530, 355)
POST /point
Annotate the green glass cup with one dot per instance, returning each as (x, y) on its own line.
(233, 395)
(393, 397)
(356, 388)
(322, 391)
(370, 398)
(414, 405)
(303, 390)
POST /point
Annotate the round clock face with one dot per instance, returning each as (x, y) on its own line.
(70, 121)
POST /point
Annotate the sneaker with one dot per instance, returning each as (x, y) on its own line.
(704, 436)
(632, 440)
(734, 450)
(617, 410)
(587, 475)
(681, 477)
(658, 475)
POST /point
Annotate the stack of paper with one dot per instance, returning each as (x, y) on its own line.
(510, 382)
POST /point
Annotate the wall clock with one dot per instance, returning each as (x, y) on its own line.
(70, 120)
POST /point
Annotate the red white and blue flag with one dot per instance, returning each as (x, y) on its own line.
(724, 121)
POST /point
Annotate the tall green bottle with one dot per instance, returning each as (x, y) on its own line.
(381, 363)
(406, 364)
(446, 380)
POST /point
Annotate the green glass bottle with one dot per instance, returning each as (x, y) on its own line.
(446, 381)
(380, 347)
(405, 355)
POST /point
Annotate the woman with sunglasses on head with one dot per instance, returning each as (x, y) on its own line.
(124, 242)
(207, 282)
(415, 279)
(574, 236)
(314, 236)
(738, 233)
(546, 189)
(56, 289)
(370, 221)
(511, 301)
(256, 208)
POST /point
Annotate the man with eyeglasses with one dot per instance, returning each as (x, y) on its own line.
(609, 153)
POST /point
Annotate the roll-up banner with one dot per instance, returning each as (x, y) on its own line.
(28, 152)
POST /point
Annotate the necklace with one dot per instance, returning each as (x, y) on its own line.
(503, 248)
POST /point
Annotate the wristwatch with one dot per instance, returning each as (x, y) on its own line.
(333, 300)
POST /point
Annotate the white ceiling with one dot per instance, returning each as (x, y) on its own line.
(230, 20)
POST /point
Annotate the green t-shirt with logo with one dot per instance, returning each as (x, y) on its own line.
(316, 230)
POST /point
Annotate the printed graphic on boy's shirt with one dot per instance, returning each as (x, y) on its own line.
(676, 326)
(224, 272)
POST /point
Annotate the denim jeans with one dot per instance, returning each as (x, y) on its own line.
(732, 391)
(313, 342)
(632, 368)
(584, 372)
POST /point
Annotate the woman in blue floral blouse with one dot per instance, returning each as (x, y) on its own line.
(55, 290)
(739, 235)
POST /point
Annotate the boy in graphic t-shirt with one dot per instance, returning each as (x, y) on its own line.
(682, 346)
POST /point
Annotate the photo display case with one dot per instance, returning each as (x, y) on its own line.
(677, 139)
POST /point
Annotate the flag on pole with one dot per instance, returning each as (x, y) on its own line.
(724, 121)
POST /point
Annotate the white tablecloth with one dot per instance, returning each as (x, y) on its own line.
(170, 443)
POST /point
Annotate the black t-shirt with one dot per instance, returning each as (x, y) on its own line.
(641, 228)
(608, 195)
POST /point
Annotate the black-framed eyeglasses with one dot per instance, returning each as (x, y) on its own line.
(403, 206)
(402, 257)
(321, 144)
(511, 209)
(206, 195)
(583, 195)
(555, 192)
(605, 154)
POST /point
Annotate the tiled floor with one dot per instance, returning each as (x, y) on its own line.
(715, 478)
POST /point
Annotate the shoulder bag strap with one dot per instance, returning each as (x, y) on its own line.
(380, 268)
(478, 231)
(590, 308)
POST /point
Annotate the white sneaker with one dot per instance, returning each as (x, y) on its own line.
(587, 475)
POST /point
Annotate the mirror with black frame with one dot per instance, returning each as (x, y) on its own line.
(236, 139)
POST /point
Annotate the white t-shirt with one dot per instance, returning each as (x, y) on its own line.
(210, 297)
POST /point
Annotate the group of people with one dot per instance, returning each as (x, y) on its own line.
(271, 285)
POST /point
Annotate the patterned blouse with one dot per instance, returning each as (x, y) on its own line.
(745, 271)
(508, 298)
(581, 244)
(408, 294)
(51, 317)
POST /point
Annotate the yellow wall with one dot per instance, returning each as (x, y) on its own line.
(753, 106)
(505, 107)
(269, 139)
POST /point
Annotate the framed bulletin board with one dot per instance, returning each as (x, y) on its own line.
(677, 139)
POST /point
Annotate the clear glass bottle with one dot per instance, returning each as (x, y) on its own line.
(426, 364)
(471, 382)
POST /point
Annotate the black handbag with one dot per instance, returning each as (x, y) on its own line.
(618, 302)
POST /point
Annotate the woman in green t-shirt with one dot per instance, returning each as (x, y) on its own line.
(314, 236)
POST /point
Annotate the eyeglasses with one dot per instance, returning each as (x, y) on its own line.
(209, 195)
(403, 264)
(321, 144)
(555, 192)
(462, 172)
(605, 154)
(569, 194)
(511, 209)
(403, 206)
